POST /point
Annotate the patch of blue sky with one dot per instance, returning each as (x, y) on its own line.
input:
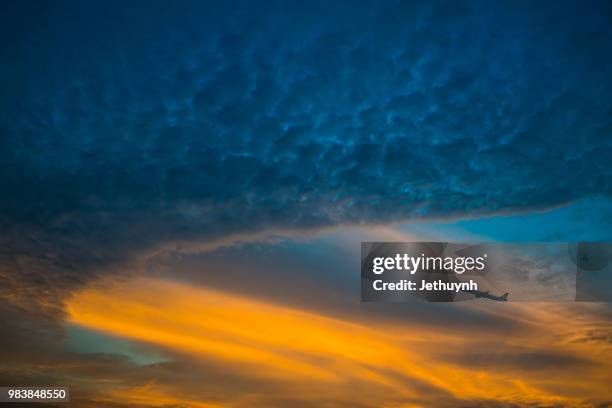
(82, 340)
(587, 220)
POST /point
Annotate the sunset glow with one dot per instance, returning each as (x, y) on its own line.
(308, 351)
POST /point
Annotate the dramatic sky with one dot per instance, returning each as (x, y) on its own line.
(184, 186)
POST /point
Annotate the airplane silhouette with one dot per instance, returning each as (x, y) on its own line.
(487, 295)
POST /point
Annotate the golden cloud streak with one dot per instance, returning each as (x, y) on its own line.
(323, 357)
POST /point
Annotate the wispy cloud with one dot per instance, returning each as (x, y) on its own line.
(316, 357)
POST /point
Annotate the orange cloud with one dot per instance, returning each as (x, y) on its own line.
(312, 357)
(152, 395)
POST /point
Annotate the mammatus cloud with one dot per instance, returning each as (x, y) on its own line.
(123, 128)
(205, 119)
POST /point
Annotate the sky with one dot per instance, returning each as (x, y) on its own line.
(184, 187)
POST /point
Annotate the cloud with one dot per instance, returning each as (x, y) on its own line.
(200, 121)
(312, 357)
(126, 131)
(273, 322)
(241, 117)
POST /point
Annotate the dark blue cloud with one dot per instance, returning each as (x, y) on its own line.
(149, 121)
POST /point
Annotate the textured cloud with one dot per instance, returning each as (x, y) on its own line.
(123, 127)
(200, 118)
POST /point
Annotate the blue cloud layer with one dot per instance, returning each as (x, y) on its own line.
(204, 118)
